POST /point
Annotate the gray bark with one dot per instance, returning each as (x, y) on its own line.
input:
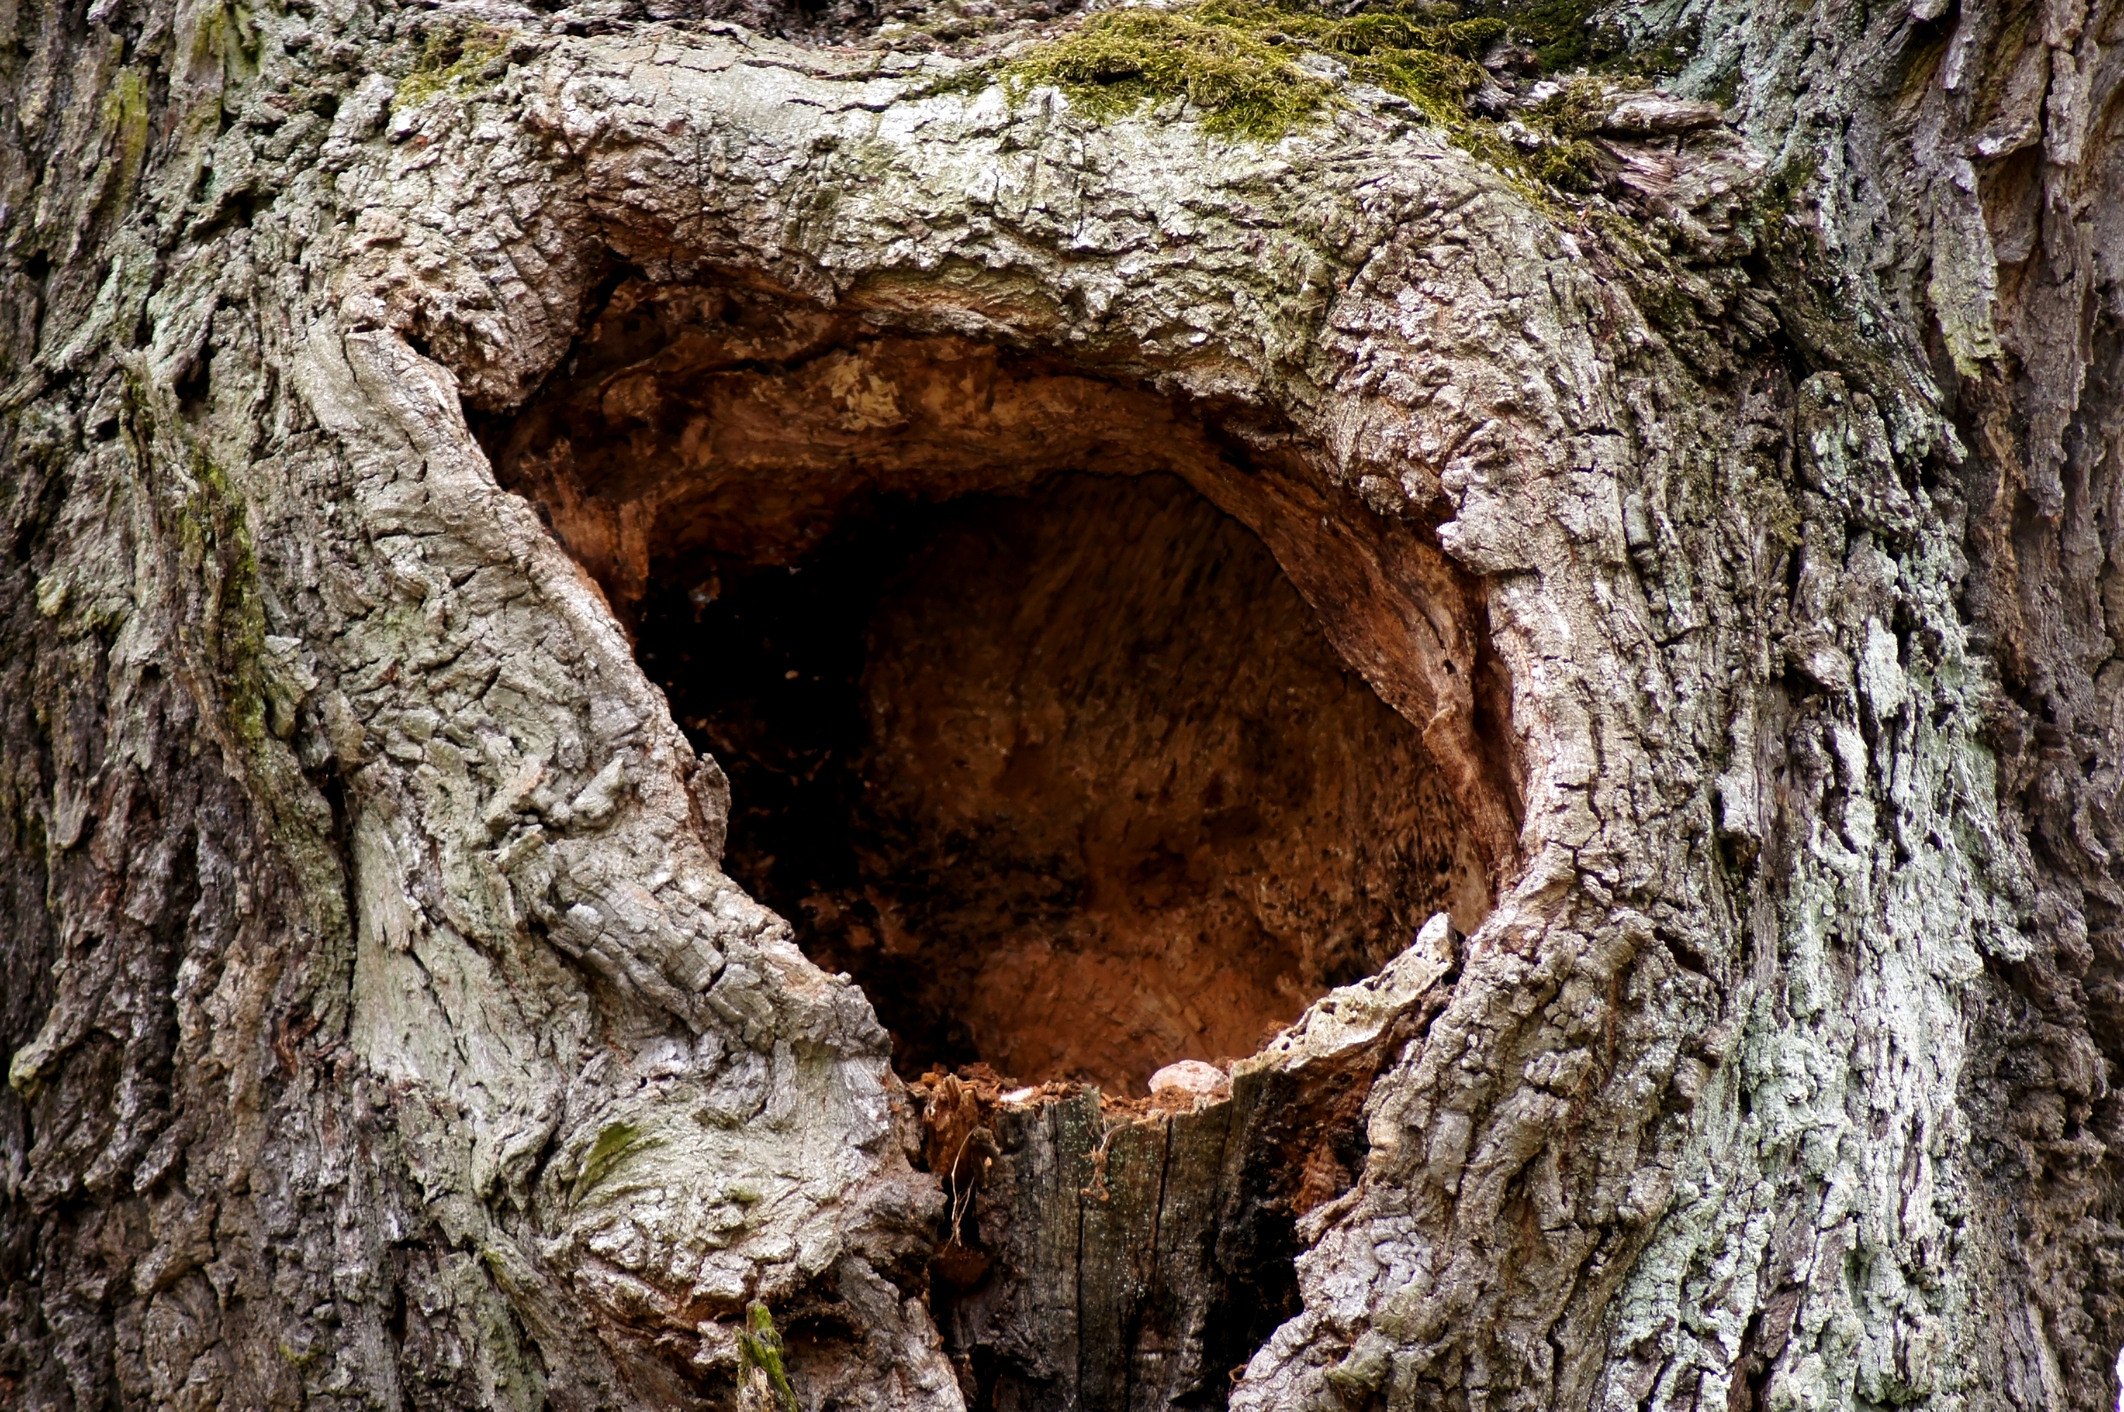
(383, 1028)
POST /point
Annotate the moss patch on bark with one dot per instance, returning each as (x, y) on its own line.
(454, 60)
(1242, 64)
(1263, 70)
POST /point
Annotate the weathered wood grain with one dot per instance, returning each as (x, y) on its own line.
(1134, 1256)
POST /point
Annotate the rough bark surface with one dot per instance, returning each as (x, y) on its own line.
(382, 1027)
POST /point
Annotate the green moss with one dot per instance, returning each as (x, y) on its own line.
(214, 530)
(452, 61)
(1558, 31)
(125, 123)
(1238, 61)
(1568, 35)
(125, 112)
(1120, 60)
(759, 1346)
(614, 1144)
(225, 38)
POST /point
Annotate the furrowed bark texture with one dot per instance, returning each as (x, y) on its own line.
(384, 1032)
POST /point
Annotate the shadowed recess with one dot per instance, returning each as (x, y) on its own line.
(1070, 781)
(1035, 690)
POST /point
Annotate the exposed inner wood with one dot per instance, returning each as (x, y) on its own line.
(1064, 770)
(707, 424)
(1070, 781)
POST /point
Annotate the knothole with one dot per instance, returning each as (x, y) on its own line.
(1075, 722)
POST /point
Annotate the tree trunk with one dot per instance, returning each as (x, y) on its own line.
(1586, 697)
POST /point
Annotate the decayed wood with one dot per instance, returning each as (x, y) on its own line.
(1134, 1255)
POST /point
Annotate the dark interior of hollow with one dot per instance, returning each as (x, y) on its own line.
(1068, 779)
(1024, 732)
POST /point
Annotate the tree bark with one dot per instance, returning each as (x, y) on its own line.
(1735, 539)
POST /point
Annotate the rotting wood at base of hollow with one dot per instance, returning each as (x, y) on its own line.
(1114, 1254)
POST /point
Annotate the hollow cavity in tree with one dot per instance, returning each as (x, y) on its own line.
(1041, 745)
